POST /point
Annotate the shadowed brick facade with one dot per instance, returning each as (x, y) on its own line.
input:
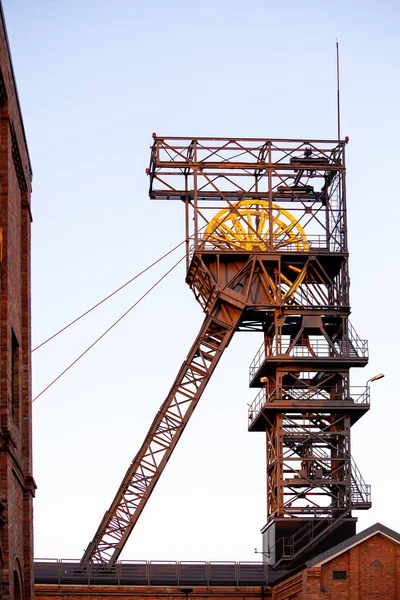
(16, 482)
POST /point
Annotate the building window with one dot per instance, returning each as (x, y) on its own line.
(14, 376)
(339, 575)
(376, 563)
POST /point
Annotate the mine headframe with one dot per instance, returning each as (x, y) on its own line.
(266, 250)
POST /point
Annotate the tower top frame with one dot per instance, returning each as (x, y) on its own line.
(303, 176)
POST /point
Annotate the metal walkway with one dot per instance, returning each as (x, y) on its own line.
(67, 572)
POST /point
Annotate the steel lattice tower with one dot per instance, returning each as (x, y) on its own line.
(266, 242)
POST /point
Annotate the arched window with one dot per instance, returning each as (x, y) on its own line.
(17, 587)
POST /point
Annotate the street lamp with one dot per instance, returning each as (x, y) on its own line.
(186, 591)
(376, 377)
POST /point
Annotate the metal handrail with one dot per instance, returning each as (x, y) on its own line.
(281, 243)
(304, 535)
(360, 491)
(360, 494)
(206, 573)
(354, 394)
(315, 347)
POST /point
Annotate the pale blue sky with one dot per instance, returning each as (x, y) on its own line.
(95, 79)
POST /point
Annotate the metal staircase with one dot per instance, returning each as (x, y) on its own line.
(308, 536)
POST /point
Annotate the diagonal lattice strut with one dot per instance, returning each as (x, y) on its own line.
(163, 435)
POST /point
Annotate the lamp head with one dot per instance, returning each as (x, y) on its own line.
(186, 590)
(376, 377)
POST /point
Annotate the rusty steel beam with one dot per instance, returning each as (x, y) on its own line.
(163, 435)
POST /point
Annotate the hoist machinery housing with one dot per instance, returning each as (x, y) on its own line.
(266, 251)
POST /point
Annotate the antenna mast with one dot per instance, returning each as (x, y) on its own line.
(338, 89)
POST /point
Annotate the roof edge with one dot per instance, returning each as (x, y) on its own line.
(3, 20)
(324, 557)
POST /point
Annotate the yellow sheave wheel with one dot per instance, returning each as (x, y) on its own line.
(246, 226)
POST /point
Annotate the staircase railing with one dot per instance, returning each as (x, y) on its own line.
(360, 491)
(360, 494)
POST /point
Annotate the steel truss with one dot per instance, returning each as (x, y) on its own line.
(266, 249)
(163, 435)
(209, 174)
(310, 453)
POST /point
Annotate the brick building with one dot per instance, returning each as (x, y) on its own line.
(364, 567)
(16, 482)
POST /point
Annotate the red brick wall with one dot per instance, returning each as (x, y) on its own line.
(292, 588)
(381, 581)
(16, 482)
(364, 580)
(87, 592)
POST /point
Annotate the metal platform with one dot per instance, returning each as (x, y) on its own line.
(144, 573)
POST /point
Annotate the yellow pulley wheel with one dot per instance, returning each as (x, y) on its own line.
(247, 226)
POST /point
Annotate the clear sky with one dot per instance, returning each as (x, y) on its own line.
(95, 79)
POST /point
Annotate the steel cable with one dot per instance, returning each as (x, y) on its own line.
(109, 328)
(109, 296)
